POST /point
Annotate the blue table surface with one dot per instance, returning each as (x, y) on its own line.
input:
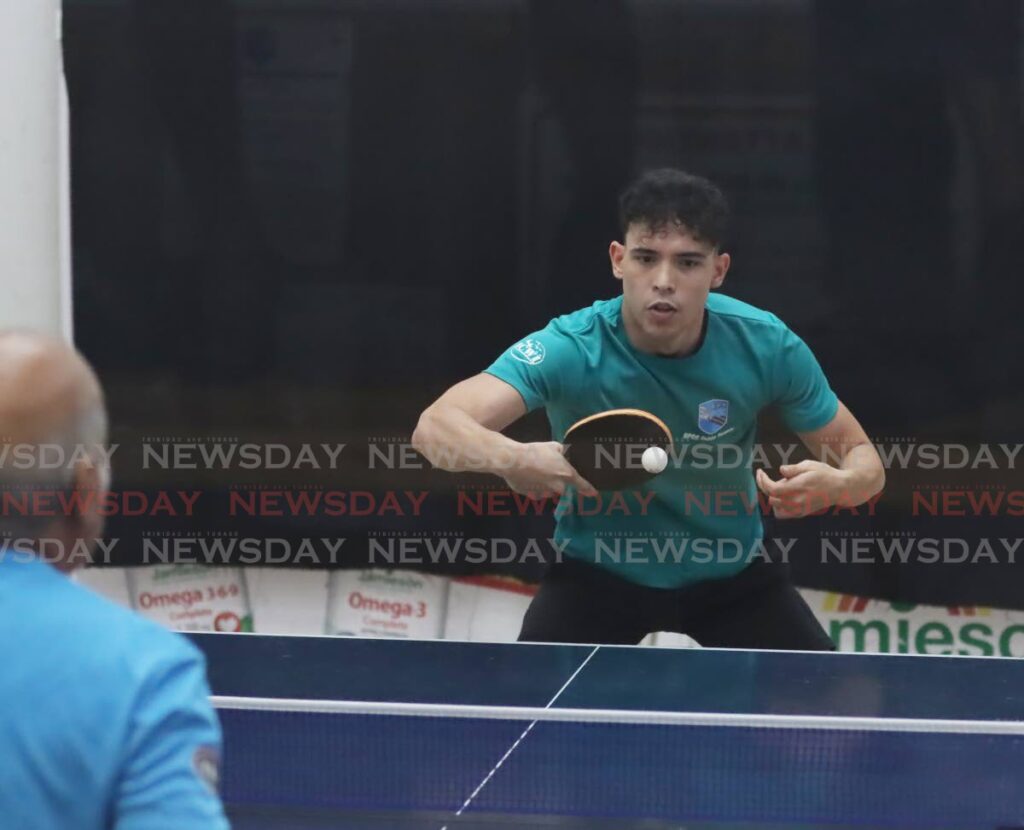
(358, 772)
(694, 680)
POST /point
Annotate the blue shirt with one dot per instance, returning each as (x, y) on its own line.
(700, 519)
(105, 719)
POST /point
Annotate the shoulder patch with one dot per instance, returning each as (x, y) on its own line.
(206, 764)
(529, 351)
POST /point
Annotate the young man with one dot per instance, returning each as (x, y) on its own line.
(706, 365)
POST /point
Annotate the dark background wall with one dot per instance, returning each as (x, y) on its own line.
(300, 221)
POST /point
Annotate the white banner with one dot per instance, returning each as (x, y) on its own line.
(381, 603)
(191, 597)
(868, 625)
(487, 609)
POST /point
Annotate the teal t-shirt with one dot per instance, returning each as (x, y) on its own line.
(700, 519)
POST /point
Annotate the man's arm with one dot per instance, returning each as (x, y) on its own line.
(171, 764)
(461, 432)
(814, 485)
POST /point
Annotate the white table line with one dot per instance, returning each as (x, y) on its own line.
(519, 740)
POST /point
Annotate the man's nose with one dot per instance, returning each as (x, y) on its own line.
(663, 278)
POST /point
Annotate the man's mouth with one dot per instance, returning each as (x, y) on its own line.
(662, 307)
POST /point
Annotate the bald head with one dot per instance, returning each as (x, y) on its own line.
(51, 400)
(45, 388)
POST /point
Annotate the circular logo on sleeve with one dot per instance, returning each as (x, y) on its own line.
(528, 351)
(206, 763)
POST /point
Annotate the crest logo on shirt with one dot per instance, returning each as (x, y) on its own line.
(712, 415)
(206, 764)
(528, 351)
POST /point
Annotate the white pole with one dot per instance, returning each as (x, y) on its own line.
(34, 238)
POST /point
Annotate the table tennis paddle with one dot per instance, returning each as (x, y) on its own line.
(605, 448)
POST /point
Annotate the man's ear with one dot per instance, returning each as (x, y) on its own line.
(722, 263)
(86, 476)
(616, 253)
(83, 524)
(90, 481)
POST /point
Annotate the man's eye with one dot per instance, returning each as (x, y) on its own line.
(647, 259)
(690, 263)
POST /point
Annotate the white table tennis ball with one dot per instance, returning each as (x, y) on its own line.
(654, 459)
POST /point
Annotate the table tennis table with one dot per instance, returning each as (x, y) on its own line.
(338, 732)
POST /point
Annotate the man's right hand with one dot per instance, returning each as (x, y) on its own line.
(541, 470)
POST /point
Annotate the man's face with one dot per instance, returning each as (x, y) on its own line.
(666, 277)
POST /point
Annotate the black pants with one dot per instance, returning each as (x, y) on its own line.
(758, 608)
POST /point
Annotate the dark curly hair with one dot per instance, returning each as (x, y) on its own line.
(669, 196)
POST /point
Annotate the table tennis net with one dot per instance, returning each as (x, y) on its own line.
(459, 764)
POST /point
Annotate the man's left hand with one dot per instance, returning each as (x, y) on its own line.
(804, 489)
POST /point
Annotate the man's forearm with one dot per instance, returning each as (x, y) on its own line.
(451, 440)
(864, 473)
